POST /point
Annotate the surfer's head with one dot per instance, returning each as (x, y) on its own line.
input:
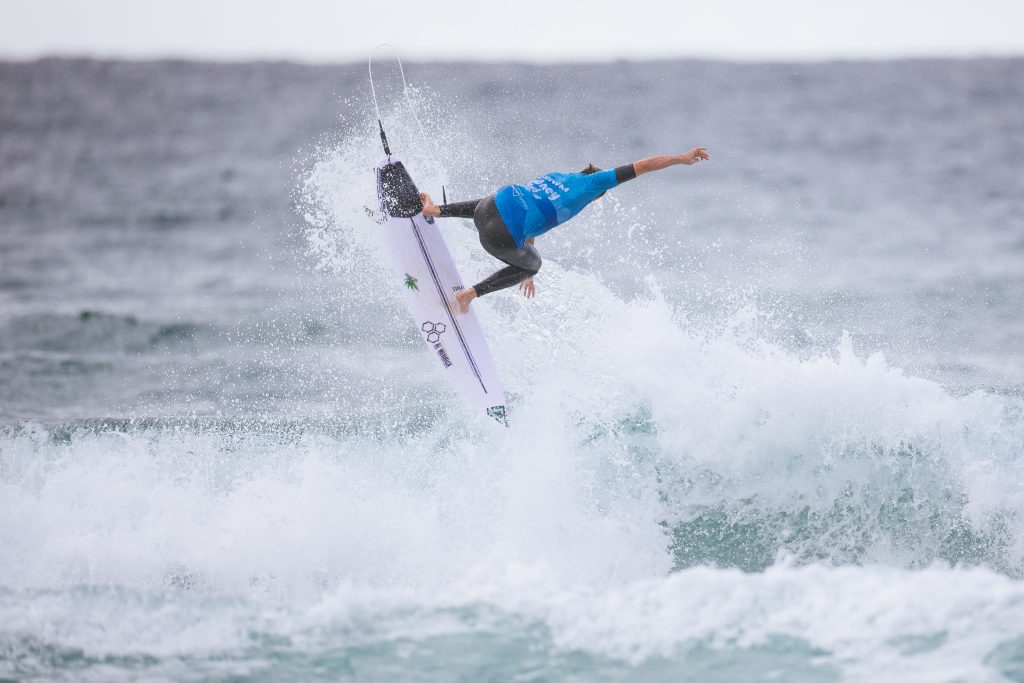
(592, 169)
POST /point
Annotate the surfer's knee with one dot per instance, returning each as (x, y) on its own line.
(533, 262)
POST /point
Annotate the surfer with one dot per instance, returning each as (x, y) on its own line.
(511, 219)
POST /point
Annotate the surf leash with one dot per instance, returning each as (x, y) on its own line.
(405, 96)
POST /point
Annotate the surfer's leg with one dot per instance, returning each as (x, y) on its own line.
(523, 262)
(507, 277)
(459, 209)
(503, 279)
(452, 210)
(495, 238)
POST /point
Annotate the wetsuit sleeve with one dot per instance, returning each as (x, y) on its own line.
(624, 173)
(459, 209)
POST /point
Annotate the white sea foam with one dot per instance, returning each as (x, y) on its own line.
(565, 522)
(869, 623)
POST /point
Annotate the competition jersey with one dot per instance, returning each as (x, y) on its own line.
(533, 209)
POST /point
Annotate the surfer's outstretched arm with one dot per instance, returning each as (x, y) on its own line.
(656, 163)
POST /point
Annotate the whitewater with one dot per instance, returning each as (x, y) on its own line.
(249, 475)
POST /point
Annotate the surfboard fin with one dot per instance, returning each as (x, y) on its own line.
(498, 413)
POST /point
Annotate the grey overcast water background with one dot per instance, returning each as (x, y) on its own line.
(767, 412)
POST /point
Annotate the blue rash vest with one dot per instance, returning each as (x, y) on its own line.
(533, 209)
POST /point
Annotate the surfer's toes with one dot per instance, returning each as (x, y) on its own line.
(429, 208)
(463, 299)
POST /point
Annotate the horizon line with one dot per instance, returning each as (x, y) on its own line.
(511, 61)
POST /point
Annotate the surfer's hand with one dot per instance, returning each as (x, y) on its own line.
(656, 163)
(528, 288)
(694, 155)
(430, 209)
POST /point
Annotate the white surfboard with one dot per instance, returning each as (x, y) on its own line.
(424, 269)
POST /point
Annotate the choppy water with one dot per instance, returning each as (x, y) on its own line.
(767, 412)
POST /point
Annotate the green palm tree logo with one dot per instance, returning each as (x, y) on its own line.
(410, 282)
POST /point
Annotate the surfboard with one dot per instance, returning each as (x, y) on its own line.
(423, 268)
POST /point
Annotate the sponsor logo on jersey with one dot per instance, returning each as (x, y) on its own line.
(410, 282)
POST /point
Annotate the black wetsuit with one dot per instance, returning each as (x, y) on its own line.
(523, 262)
(497, 241)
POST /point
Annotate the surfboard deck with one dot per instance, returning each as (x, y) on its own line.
(424, 269)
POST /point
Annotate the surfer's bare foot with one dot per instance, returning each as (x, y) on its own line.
(430, 209)
(464, 298)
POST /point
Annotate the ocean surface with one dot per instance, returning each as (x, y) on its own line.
(767, 412)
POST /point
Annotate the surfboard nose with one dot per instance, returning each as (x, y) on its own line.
(399, 197)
